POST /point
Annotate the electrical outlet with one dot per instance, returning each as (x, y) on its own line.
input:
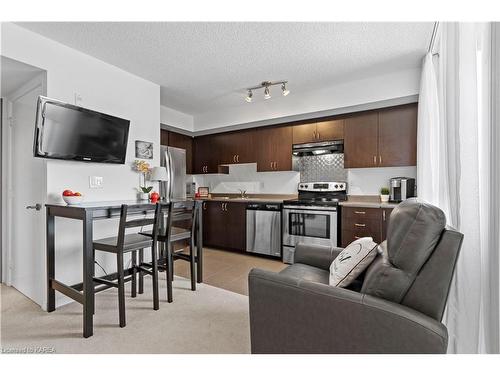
(78, 98)
(96, 182)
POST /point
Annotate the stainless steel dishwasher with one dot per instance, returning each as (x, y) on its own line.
(264, 229)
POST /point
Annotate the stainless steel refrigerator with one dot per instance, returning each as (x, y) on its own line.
(174, 160)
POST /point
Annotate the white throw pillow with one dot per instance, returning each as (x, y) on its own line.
(352, 261)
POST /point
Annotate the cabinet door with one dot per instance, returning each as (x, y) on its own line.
(214, 225)
(360, 141)
(235, 228)
(330, 130)
(274, 149)
(205, 156)
(164, 137)
(235, 147)
(185, 142)
(305, 133)
(397, 136)
(386, 213)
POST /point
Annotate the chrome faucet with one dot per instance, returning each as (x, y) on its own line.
(242, 193)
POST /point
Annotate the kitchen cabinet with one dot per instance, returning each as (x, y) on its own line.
(164, 137)
(360, 140)
(170, 138)
(185, 142)
(382, 138)
(360, 222)
(235, 147)
(274, 149)
(224, 225)
(318, 131)
(397, 136)
(206, 158)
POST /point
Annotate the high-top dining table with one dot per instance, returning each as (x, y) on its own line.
(88, 212)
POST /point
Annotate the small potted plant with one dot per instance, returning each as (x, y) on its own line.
(384, 195)
(144, 169)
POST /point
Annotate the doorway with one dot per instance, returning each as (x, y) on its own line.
(23, 181)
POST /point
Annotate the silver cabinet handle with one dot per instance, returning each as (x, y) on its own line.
(238, 158)
(222, 206)
(318, 136)
(204, 205)
(374, 159)
(380, 159)
(271, 165)
(314, 134)
(37, 207)
(234, 158)
(275, 165)
(383, 215)
(360, 225)
(360, 212)
(225, 206)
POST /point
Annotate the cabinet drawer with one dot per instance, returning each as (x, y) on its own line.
(361, 224)
(349, 236)
(361, 212)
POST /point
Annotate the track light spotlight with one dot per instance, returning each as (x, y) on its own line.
(267, 94)
(284, 91)
(249, 96)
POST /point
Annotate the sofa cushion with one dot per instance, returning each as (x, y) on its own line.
(309, 273)
(415, 228)
(352, 261)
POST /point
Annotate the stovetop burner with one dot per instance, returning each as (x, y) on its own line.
(320, 194)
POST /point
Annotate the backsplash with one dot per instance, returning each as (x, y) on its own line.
(360, 181)
(328, 167)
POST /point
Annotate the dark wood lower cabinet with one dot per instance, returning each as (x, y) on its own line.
(224, 225)
(360, 222)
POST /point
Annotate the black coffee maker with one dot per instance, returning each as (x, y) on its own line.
(402, 188)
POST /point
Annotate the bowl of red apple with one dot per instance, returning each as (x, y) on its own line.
(72, 198)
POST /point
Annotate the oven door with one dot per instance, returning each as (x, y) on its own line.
(309, 225)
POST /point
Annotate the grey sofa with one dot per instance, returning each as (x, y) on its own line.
(395, 307)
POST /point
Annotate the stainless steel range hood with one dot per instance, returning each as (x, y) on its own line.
(318, 148)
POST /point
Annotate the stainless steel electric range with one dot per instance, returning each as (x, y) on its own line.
(312, 218)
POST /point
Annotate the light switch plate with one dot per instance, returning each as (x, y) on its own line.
(96, 182)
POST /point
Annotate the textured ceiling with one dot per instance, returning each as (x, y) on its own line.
(204, 67)
(15, 74)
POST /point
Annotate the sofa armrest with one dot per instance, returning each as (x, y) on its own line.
(289, 315)
(319, 256)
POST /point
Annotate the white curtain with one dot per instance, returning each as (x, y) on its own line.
(455, 170)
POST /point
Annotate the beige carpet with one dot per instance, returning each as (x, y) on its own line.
(209, 320)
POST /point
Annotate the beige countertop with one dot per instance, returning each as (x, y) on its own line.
(370, 201)
(271, 198)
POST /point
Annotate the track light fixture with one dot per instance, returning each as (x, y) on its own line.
(267, 93)
(249, 96)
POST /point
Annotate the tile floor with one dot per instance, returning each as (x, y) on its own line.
(228, 269)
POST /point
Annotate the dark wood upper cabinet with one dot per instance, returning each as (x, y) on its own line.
(318, 131)
(235, 147)
(383, 138)
(330, 130)
(360, 140)
(274, 149)
(397, 136)
(206, 157)
(185, 142)
(164, 137)
(304, 133)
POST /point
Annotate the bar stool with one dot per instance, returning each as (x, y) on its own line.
(125, 243)
(180, 226)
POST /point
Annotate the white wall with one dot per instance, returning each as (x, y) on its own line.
(102, 87)
(169, 116)
(368, 181)
(369, 90)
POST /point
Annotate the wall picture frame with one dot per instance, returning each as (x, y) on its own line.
(143, 150)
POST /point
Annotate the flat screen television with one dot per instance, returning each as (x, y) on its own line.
(69, 132)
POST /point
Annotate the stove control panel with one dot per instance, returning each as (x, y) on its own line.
(323, 186)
